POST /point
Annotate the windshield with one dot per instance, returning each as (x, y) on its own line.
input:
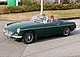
(44, 19)
(40, 19)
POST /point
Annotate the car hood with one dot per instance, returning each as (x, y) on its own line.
(24, 24)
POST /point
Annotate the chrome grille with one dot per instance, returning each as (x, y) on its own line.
(7, 31)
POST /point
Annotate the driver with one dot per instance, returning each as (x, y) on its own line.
(51, 18)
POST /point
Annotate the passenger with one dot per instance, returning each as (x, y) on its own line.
(45, 18)
(51, 18)
(43, 15)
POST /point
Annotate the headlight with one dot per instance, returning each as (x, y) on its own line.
(18, 30)
(4, 30)
(5, 25)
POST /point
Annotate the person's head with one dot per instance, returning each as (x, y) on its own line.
(52, 17)
(43, 14)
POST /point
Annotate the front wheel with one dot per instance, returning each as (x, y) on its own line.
(28, 37)
(66, 31)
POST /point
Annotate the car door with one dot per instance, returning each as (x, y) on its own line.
(53, 28)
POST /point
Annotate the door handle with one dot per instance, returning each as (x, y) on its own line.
(58, 25)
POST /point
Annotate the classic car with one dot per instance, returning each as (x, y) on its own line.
(36, 27)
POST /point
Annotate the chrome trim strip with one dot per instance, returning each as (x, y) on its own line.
(17, 36)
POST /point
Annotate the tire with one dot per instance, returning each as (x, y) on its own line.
(66, 31)
(28, 37)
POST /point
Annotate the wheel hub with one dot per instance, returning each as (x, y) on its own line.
(66, 31)
(29, 37)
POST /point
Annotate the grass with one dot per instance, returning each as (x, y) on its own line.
(28, 15)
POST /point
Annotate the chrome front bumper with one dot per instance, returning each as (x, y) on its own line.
(14, 36)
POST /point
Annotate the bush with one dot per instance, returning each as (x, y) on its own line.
(36, 7)
(66, 2)
(25, 2)
(15, 9)
(61, 6)
(4, 10)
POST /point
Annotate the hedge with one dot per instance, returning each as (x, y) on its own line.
(36, 7)
(61, 6)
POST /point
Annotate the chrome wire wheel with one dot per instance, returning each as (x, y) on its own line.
(66, 31)
(28, 37)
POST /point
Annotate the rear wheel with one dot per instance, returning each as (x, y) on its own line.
(66, 31)
(28, 37)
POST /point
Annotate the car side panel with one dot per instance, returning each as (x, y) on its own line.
(49, 29)
(53, 29)
(38, 29)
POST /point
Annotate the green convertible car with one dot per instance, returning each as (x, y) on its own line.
(37, 27)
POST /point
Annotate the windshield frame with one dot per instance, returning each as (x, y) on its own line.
(40, 19)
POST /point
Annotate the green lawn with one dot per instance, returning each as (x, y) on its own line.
(28, 15)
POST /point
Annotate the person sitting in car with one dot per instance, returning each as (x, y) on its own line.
(45, 19)
(51, 18)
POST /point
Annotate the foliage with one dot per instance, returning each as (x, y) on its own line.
(66, 2)
(25, 2)
(36, 7)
